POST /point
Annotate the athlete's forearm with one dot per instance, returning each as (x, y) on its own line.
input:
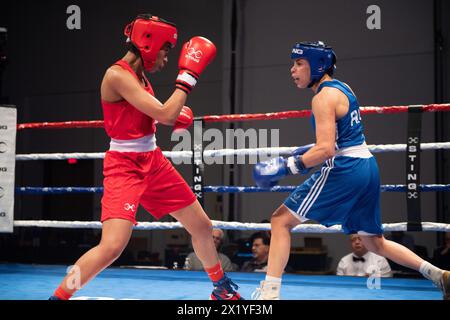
(317, 155)
(172, 107)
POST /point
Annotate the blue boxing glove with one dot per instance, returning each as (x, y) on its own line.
(267, 174)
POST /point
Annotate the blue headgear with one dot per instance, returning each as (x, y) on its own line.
(320, 57)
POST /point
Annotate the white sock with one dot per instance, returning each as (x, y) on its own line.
(430, 272)
(273, 279)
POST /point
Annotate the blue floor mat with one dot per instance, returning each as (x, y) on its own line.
(37, 282)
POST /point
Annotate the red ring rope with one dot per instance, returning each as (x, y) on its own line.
(237, 117)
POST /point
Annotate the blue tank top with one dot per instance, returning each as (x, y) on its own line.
(349, 129)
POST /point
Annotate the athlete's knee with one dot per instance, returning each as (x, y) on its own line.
(111, 251)
(282, 219)
(195, 220)
(202, 228)
(204, 222)
(204, 231)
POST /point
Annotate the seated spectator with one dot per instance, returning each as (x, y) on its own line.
(361, 262)
(441, 256)
(195, 263)
(260, 249)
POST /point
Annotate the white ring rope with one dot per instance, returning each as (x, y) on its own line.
(92, 155)
(303, 228)
(226, 152)
(59, 156)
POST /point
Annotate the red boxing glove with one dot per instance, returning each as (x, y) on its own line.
(184, 120)
(195, 55)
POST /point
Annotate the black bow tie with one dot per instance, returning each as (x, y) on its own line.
(356, 259)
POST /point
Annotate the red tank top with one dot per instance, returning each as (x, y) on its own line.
(122, 120)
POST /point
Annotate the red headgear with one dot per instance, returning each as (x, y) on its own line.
(148, 34)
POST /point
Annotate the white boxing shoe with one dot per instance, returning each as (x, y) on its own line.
(267, 291)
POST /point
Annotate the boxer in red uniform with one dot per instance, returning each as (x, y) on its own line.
(135, 170)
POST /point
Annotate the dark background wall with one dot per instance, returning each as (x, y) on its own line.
(54, 74)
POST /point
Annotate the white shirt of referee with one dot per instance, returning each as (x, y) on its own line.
(362, 263)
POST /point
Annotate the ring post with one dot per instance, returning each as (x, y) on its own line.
(197, 161)
(413, 199)
(8, 129)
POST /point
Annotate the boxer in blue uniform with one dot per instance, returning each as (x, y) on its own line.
(346, 189)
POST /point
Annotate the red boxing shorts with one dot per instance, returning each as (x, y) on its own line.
(146, 178)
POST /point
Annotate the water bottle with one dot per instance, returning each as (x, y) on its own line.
(187, 264)
(175, 265)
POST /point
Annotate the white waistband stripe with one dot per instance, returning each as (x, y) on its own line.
(144, 144)
(360, 151)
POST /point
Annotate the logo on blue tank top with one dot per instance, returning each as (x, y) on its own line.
(355, 117)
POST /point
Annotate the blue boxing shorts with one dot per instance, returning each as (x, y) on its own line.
(345, 191)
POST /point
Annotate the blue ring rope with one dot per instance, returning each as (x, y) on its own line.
(222, 189)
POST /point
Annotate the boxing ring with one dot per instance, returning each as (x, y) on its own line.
(35, 282)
